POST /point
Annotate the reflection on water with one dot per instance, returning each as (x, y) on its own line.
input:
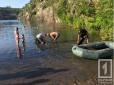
(54, 45)
(26, 48)
(18, 51)
(8, 48)
(32, 57)
(68, 34)
(9, 22)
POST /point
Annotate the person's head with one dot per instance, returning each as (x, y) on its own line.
(47, 34)
(16, 28)
(22, 35)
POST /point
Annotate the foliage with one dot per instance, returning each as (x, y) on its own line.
(93, 14)
(8, 13)
(106, 34)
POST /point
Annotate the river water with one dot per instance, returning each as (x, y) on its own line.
(52, 64)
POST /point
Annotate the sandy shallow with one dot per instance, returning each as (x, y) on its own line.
(54, 66)
(51, 65)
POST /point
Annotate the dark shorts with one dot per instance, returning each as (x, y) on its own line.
(82, 38)
(38, 42)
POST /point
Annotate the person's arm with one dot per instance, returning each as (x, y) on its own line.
(52, 37)
(78, 38)
(40, 40)
(56, 36)
(87, 39)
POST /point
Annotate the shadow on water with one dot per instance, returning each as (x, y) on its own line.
(33, 82)
(31, 74)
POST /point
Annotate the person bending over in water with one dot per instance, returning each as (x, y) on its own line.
(16, 33)
(40, 38)
(53, 35)
(82, 35)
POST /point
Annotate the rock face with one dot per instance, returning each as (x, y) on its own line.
(40, 12)
(47, 15)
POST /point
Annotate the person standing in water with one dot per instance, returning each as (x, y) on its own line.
(40, 38)
(17, 39)
(16, 33)
(23, 42)
(18, 51)
(82, 35)
(53, 35)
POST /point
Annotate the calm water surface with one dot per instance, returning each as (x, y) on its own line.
(7, 39)
(52, 63)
